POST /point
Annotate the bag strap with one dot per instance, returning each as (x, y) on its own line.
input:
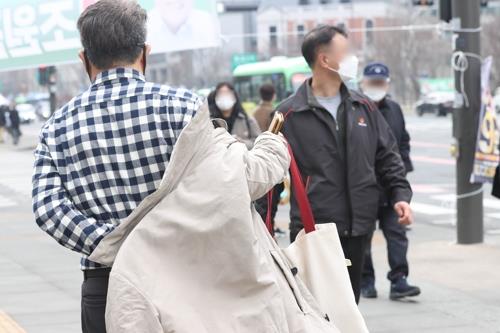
(300, 196)
(269, 223)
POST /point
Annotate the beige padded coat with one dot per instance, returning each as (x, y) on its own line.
(196, 257)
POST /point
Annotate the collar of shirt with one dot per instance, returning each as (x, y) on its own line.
(118, 73)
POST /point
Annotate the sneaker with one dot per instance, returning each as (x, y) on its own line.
(400, 289)
(369, 291)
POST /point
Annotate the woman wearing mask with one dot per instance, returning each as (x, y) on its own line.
(224, 103)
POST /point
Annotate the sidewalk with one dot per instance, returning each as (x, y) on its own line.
(460, 286)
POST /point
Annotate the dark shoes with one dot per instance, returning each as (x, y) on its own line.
(400, 289)
(369, 291)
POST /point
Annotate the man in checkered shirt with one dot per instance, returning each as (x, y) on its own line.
(108, 148)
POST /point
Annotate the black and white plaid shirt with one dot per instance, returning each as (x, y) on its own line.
(103, 153)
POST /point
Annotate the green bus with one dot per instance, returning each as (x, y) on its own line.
(285, 74)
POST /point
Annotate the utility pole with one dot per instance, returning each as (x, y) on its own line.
(469, 196)
(52, 84)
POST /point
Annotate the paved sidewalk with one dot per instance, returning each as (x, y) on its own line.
(460, 286)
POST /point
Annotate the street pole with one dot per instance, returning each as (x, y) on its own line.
(52, 84)
(469, 196)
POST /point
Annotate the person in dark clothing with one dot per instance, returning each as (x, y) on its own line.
(375, 85)
(224, 103)
(263, 112)
(13, 123)
(3, 113)
(342, 145)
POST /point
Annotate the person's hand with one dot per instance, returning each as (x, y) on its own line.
(404, 212)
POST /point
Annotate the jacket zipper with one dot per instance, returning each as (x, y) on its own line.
(346, 172)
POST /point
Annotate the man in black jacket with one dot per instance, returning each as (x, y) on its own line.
(375, 85)
(342, 145)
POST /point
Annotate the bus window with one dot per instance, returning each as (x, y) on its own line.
(248, 86)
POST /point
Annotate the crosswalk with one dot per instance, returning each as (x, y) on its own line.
(440, 209)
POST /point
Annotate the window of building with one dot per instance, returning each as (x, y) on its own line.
(369, 33)
(273, 38)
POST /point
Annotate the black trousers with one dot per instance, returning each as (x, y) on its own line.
(397, 247)
(354, 249)
(94, 293)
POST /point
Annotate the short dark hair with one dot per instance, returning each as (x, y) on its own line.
(318, 37)
(113, 31)
(267, 92)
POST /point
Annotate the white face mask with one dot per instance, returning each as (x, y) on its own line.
(225, 102)
(375, 94)
(348, 68)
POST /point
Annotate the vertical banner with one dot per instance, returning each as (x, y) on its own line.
(486, 158)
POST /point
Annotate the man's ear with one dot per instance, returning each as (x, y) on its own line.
(322, 60)
(81, 55)
(148, 49)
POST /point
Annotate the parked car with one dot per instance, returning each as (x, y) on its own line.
(27, 113)
(439, 103)
(41, 102)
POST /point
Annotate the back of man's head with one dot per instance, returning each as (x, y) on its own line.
(113, 32)
(267, 92)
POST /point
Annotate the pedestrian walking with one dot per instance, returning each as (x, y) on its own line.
(13, 123)
(343, 147)
(263, 112)
(375, 85)
(107, 149)
(3, 114)
(225, 103)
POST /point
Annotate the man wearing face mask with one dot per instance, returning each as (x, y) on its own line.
(375, 85)
(106, 150)
(342, 145)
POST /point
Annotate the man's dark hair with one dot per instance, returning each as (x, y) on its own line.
(267, 92)
(317, 38)
(113, 31)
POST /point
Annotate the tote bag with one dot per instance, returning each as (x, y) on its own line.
(319, 261)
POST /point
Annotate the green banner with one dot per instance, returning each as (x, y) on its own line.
(43, 32)
(38, 32)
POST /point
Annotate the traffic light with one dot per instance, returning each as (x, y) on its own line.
(43, 76)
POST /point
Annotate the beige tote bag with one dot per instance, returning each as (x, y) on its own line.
(319, 260)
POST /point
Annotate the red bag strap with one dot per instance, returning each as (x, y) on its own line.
(300, 196)
(269, 223)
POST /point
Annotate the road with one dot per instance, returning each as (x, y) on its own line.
(40, 281)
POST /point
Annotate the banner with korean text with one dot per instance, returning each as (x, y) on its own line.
(43, 32)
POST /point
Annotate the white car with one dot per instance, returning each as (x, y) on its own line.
(27, 113)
